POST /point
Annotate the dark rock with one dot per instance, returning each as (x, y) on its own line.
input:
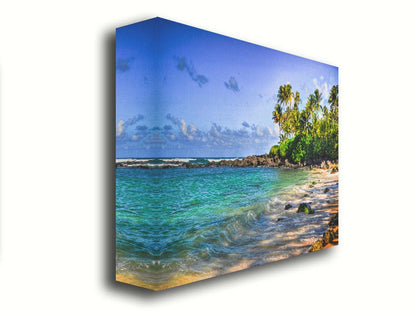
(318, 245)
(305, 208)
(328, 237)
(288, 206)
(249, 161)
(279, 219)
(326, 190)
(334, 220)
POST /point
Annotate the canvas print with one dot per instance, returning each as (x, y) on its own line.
(226, 155)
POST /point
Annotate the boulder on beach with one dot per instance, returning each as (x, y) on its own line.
(334, 220)
(305, 208)
(318, 245)
(329, 237)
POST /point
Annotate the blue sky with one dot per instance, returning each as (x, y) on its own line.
(186, 92)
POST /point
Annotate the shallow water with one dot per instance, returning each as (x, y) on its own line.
(178, 225)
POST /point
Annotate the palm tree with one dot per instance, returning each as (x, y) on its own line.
(306, 116)
(315, 124)
(296, 100)
(317, 100)
(277, 115)
(325, 121)
(315, 107)
(285, 96)
(294, 115)
(303, 121)
(333, 101)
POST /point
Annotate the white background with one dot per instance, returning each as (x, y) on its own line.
(56, 235)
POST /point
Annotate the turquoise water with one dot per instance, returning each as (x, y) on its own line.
(192, 221)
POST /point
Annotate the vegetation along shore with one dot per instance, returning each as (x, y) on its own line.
(308, 137)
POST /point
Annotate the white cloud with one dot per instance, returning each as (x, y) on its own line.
(192, 129)
(120, 128)
(134, 137)
(188, 131)
(183, 127)
(214, 132)
(276, 128)
(191, 132)
(323, 88)
(191, 136)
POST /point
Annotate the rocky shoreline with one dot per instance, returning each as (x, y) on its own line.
(329, 238)
(313, 208)
(249, 161)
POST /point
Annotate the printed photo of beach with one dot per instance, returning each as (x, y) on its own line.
(226, 155)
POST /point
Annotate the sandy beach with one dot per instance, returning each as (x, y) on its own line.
(288, 232)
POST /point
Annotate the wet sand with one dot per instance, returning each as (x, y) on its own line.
(321, 192)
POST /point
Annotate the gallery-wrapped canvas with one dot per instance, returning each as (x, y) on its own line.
(226, 155)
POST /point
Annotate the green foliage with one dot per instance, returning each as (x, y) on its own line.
(285, 148)
(307, 134)
(302, 148)
(274, 150)
(305, 208)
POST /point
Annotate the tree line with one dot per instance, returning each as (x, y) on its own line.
(310, 133)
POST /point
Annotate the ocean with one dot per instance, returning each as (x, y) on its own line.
(179, 225)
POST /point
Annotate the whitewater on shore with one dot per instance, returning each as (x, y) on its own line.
(164, 162)
(179, 225)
